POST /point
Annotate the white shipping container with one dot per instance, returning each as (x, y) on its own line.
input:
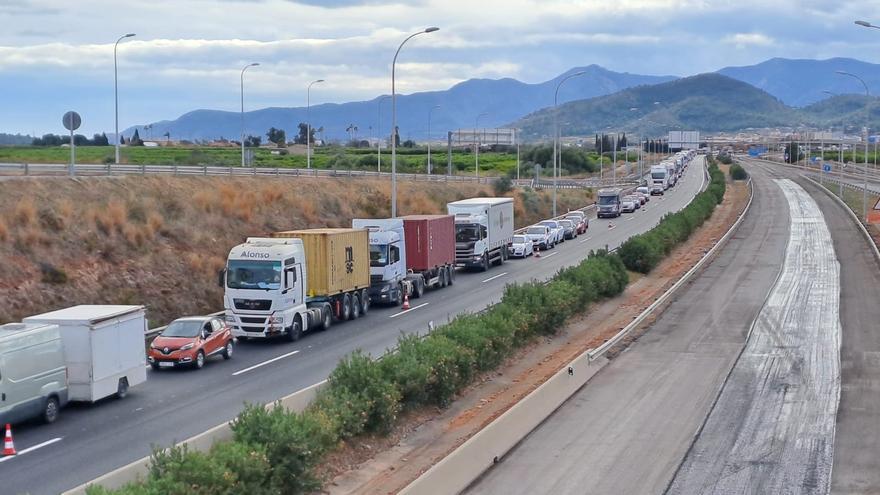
(103, 348)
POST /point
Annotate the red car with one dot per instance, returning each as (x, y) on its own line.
(190, 341)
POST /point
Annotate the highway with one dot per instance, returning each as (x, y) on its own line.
(90, 440)
(735, 387)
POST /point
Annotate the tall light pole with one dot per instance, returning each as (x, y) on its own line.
(516, 139)
(477, 144)
(394, 120)
(242, 108)
(556, 133)
(429, 136)
(116, 89)
(379, 132)
(309, 123)
(867, 123)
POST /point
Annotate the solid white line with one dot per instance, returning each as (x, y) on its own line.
(31, 449)
(585, 240)
(395, 315)
(264, 363)
(549, 255)
(493, 278)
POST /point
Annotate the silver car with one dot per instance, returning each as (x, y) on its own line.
(555, 230)
(628, 204)
(520, 246)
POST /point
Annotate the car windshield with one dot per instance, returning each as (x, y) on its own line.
(536, 230)
(183, 328)
(566, 223)
(658, 175)
(247, 274)
(551, 224)
(519, 239)
(378, 254)
(607, 200)
(467, 233)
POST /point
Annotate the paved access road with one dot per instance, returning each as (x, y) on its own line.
(627, 430)
(90, 440)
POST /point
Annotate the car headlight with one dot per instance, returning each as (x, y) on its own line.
(153, 346)
(187, 347)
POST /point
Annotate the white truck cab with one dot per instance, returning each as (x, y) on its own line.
(388, 273)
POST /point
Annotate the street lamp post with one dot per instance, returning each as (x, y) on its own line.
(116, 90)
(867, 132)
(477, 144)
(394, 120)
(516, 138)
(556, 150)
(242, 108)
(309, 123)
(429, 136)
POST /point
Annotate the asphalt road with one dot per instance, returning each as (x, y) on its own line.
(627, 430)
(90, 440)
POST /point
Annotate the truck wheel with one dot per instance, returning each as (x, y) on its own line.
(50, 410)
(450, 275)
(443, 280)
(365, 302)
(355, 306)
(294, 332)
(400, 295)
(122, 388)
(326, 317)
(346, 308)
(418, 289)
(485, 265)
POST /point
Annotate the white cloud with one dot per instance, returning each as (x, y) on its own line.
(748, 39)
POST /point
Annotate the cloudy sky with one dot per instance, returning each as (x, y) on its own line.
(58, 55)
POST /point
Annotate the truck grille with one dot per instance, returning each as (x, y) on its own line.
(253, 329)
(253, 304)
(375, 279)
(249, 319)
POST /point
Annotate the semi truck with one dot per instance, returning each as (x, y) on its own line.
(608, 204)
(409, 255)
(296, 281)
(483, 228)
(659, 179)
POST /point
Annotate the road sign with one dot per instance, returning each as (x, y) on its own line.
(71, 121)
(826, 167)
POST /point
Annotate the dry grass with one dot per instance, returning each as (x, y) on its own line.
(160, 241)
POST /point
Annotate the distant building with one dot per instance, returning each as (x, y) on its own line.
(684, 140)
(486, 137)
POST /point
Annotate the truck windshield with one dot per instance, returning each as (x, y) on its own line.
(658, 175)
(378, 254)
(247, 274)
(189, 328)
(469, 232)
(608, 200)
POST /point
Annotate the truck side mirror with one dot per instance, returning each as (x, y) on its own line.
(221, 277)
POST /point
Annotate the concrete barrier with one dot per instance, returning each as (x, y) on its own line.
(202, 442)
(470, 460)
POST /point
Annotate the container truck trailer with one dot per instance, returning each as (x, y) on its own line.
(296, 281)
(408, 255)
(483, 229)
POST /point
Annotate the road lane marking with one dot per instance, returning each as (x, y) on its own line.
(395, 315)
(549, 255)
(631, 218)
(31, 449)
(493, 278)
(585, 240)
(264, 363)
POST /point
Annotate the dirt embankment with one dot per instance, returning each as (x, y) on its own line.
(159, 241)
(386, 465)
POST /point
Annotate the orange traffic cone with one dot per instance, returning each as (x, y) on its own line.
(610, 225)
(8, 447)
(406, 301)
(537, 251)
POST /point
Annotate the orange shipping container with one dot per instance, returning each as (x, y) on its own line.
(337, 260)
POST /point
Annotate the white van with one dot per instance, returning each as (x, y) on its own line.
(103, 348)
(33, 376)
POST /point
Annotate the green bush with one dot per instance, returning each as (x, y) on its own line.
(738, 173)
(378, 398)
(502, 185)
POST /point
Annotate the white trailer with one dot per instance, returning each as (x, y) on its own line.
(103, 348)
(483, 228)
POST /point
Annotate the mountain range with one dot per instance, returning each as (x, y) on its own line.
(772, 93)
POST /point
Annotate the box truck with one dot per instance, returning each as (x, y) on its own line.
(483, 228)
(103, 348)
(296, 281)
(659, 179)
(408, 255)
(33, 375)
(608, 203)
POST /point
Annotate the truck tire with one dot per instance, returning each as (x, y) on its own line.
(399, 295)
(365, 302)
(122, 388)
(443, 277)
(355, 306)
(485, 266)
(294, 332)
(418, 289)
(346, 307)
(50, 410)
(326, 316)
(450, 275)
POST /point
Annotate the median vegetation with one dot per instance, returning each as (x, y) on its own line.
(642, 253)
(276, 451)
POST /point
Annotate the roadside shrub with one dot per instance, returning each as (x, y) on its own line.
(51, 274)
(737, 172)
(362, 377)
(502, 185)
